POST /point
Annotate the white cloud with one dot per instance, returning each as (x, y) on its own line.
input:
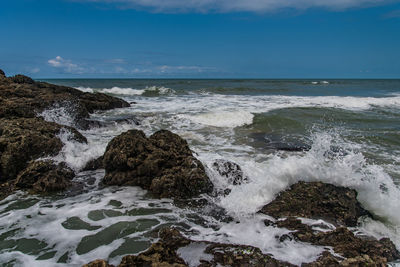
(204, 6)
(65, 65)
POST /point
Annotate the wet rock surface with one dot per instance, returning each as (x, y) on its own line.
(162, 163)
(175, 250)
(231, 171)
(316, 200)
(45, 177)
(352, 249)
(94, 164)
(26, 139)
(20, 96)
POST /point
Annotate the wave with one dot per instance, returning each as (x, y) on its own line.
(127, 91)
(85, 89)
(377, 191)
(319, 82)
(222, 118)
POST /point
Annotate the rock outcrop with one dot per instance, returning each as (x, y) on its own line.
(162, 163)
(353, 249)
(317, 200)
(45, 177)
(94, 164)
(20, 96)
(231, 171)
(175, 250)
(26, 139)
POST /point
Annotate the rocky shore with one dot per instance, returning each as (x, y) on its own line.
(26, 137)
(164, 165)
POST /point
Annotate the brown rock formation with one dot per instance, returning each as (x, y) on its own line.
(317, 200)
(162, 163)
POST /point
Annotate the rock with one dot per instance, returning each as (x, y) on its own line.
(26, 139)
(162, 163)
(98, 263)
(317, 200)
(20, 96)
(94, 164)
(45, 176)
(2, 74)
(22, 79)
(230, 170)
(173, 249)
(353, 249)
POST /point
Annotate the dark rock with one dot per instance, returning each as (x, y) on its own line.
(22, 79)
(98, 263)
(20, 96)
(94, 164)
(343, 242)
(317, 200)
(45, 177)
(26, 139)
(230, 170)
(162, 163)
(2, 74)
(168, 250)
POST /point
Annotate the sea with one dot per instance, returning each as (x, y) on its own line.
(343, 132)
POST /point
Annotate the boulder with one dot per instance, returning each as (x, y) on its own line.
(230, 170)
(20, 96)
(94, 164)
(2, 74)
(317, 200)
(45, 177)
(352, 248)
(162, 163)
(26, 139)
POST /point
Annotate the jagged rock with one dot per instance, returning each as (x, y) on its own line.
(172, 249)
(26, 139)
(22, 79)
(344, 242)
(20, 96)
(230, 170)
(94, 164)
(98, 263)
(162, 163)
(2, 74)
(45, 176)
(317, 200)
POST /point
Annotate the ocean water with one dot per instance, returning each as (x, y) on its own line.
(352, 128)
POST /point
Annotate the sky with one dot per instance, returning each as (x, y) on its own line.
(200, 38)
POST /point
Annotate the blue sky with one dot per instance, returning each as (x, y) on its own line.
(200, 38)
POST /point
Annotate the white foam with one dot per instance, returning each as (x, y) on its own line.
(122, 91)
(61, 113)
(85, 89)
(160, 90)
(376, 189)
(77, 154)
(223, 118)
(193, 253)
(253, 232)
